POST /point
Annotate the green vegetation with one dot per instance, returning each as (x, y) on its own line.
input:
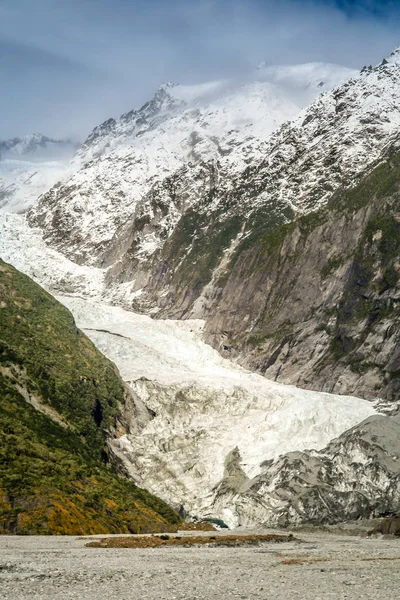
(56, 475)
(52, 484)
(332, 265)
(196, 246)
(273, 240)
(267, 226)
(62, 364)
(311, 221)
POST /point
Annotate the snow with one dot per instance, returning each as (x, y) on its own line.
(394, 57)
(171, 352)
(24, 248)
(227, 122)
(22, 181)
(30, 166)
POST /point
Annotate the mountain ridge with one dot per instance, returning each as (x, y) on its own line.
(231, 130)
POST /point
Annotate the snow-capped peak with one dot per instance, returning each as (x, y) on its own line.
(225, 122)
(278, 91)
(163, 100)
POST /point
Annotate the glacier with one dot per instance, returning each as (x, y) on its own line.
(193, 407)
(201, 407)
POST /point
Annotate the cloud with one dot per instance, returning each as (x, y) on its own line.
(65, 66)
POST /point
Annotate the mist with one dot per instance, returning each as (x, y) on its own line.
(67, 66)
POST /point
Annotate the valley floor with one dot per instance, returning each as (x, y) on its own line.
(321, 565)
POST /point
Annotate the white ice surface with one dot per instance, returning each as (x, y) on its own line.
(24, 248)
(228, 405)
(22, 181)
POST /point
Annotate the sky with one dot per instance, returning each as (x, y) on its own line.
(67, 65)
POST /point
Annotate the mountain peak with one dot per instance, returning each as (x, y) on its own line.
(167, 85)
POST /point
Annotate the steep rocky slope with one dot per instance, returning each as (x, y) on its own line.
(316, 302)
(304, 162)
(60, 401)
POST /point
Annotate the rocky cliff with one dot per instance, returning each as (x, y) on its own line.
(316, 302)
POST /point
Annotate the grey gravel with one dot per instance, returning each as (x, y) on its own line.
(62, 567)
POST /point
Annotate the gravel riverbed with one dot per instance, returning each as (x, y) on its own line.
(315, 566)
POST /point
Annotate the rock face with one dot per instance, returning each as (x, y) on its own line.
(316, 302)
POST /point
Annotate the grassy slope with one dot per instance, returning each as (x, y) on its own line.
(53, 475)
